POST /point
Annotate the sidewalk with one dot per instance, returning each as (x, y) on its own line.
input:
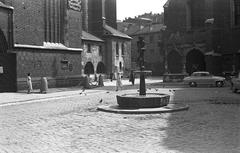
(22, 96)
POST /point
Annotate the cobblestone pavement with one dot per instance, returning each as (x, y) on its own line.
(73, 125)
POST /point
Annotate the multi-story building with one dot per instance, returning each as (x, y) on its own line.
(99, 19)
(149, 27)
(202, 35)
(92, 55)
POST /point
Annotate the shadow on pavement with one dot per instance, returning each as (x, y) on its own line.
(205, 127)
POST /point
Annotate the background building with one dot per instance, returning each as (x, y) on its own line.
(92, 56)
(202, 35)
(99, 19)
(150, 27)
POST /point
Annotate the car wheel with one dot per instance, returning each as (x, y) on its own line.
(192, 84)
(219, 83)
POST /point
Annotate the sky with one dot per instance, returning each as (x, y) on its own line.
(132, 8)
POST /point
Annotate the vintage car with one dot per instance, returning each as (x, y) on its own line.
(235, 82)
(203, 78)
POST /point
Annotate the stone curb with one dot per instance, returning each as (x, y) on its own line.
(170, 108)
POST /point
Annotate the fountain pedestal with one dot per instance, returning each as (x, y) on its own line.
(150, 100)
(142, 102)
(143, 99)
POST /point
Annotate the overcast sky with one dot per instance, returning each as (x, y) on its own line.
(131, 8)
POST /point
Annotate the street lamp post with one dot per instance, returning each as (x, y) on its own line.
(141, 50)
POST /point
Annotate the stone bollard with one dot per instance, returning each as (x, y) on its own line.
(86, 84)
(100, 80)
(44, 85)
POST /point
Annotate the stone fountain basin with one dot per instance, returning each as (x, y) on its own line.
(150, 100)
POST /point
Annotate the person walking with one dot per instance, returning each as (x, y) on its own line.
(118, 82)
(29, 83)
(132, 77)
(111, 76)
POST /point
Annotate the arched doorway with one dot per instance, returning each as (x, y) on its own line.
(195, 61)
(3, 43)
(100, 67)
(89, 68)
(174, 61)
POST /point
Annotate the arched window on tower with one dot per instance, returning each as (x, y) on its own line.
(117, 49)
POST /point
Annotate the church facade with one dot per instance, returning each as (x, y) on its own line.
(202, 35)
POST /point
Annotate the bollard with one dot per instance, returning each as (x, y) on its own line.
(87, 81)
(100, 80)
(44, 85)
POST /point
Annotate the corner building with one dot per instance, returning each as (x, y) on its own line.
(46, 41)
(99, 19)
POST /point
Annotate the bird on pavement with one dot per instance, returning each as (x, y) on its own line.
(101, 100)
(82, 92)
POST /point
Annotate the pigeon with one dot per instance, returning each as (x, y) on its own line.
(101, 100)
(83, 89)
(156, 89)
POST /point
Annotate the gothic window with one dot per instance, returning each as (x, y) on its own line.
(54, 17)
(197, 13)
(237, 12)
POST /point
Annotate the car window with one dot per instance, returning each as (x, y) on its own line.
(200, 74)
(204, 74)
(194, 74)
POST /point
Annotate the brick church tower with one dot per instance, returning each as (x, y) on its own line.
(96, 12)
